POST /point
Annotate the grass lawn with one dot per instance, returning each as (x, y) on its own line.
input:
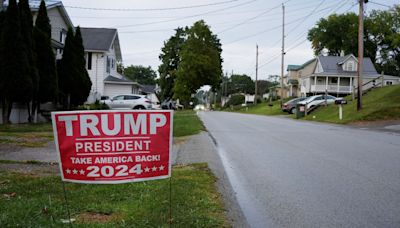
(187, 123)
(262, 109)
(37, 135)
(379, 104)
(34, 201)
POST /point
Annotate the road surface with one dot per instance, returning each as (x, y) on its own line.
(289, 173)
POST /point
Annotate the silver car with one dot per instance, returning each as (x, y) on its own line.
(129, 101)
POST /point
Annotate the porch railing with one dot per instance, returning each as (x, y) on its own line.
(331, 88)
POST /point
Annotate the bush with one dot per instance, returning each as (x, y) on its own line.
(236, 99)
(96, 106)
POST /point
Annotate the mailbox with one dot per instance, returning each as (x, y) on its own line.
(340, 101)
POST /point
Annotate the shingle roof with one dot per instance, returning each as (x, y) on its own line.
(330, 64)
(98, 39)
(293, 67)
(122, 80)
(148, 88)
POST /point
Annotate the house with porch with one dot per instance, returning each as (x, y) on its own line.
(103, 54)
(337, 75)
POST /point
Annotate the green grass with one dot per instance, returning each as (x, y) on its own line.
(33, 201)
(18, 128)
(379, 104)
(187, 123)
(261, 109)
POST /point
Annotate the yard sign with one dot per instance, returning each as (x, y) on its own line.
(110, 147)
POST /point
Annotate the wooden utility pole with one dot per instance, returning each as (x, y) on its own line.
(256, 89)
(283, 50)
(360, 53)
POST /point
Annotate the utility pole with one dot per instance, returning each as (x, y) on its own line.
(283, 50)
(256, 89)
(360, 53)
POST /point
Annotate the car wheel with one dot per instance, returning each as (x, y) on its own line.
(140, 107)
(293, 111)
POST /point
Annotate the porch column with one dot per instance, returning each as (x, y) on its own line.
(338, 85)
(351, 84)
(326, 84)
(315, 84)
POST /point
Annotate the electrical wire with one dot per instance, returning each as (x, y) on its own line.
(152, 9)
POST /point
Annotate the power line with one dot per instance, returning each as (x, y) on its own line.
(152, 9)
(191, 16)
(379, 4)
(252, 18)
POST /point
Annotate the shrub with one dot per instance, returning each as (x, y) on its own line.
(236, 99)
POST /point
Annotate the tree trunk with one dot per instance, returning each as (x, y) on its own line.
(3, 110)
(28, 105)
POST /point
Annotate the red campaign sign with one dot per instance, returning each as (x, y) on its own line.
(110, 147)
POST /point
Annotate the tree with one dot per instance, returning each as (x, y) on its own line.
(17, 83)
(48, 83)
(241, 84)
(201, 62)
(384, 27)
(142, 75)
(170, 58)
(28, 46)
(67, 70)
(2, 56)
(82, 87)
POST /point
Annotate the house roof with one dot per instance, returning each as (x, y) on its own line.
(34, 5)
(101, 40)
(148, 88)
(332, 64)
(119, 80)
(299, 67)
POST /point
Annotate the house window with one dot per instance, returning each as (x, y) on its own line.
(112, 64)
(108, 65)
(350, 66)
(334, 80)
(89, 61)
(389, 83)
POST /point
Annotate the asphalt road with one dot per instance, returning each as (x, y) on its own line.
(289, 173)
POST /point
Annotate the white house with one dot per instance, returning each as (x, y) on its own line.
(103, 53)
(337, 75)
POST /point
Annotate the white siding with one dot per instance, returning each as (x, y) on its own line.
(112, 90)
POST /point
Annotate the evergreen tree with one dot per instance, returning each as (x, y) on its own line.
(2, 15)
(28, 46)
(83, 85)
(17, 81)
(48, 83)
(67, 69)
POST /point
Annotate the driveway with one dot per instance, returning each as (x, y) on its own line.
(290, 173)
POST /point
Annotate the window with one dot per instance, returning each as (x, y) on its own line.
(108, 65)
(119, 98)
(131, 97)
(89, 61)
(334, 80)
(389, 83)
(350, 66)
(112, 64)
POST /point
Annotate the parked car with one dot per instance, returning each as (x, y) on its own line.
(317, 100)
(168, 104)
(129, 101)
(290, 106)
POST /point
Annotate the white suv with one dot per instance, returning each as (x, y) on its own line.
(317, 100)
(129, 101)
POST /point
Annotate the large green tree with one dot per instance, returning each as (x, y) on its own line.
(48, 84)
(170, 58)
(82, 88)
(381, 37)
(142, 75)
(16, 80)
(241, 84)
(29, 48)
(384, 30)
(200, 63)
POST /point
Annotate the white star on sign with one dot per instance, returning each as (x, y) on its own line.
(75, 171)
(147, 169)
(154, 169)
(68, 171)
(82, 172)
(161, 168)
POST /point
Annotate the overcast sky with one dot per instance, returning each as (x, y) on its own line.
(143, 26)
